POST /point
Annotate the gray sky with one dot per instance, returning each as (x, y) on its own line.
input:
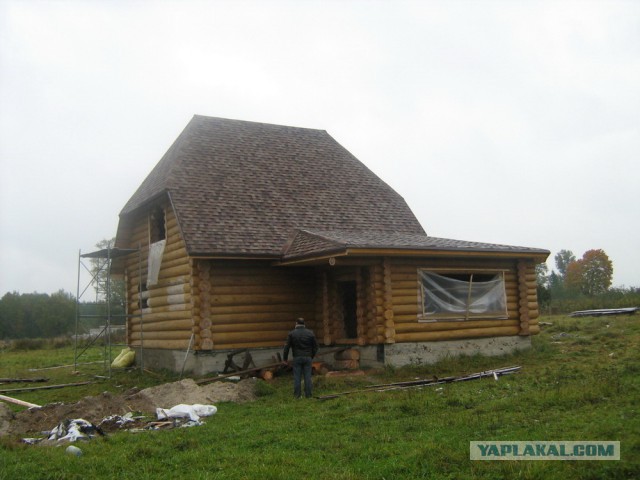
(510, 122)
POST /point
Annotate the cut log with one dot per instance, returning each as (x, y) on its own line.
(18, 402)
(346, 364)
(349, 354)
(458, 334)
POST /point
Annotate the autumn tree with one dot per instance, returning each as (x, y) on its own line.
(591, 275)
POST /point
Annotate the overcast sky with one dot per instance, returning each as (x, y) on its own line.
(514, 122)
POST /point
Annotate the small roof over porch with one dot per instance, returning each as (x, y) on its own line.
(309, 247)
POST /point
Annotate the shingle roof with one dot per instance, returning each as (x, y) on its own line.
(241, 188)
(307, 243)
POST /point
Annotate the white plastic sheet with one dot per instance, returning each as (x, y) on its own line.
(155, 259)
(447, 297)
(192, 412)
(73, 430)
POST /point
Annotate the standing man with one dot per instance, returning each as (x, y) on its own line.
(304, 345)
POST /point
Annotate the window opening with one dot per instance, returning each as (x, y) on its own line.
(462, 296)
(144, 303)
(157, 230)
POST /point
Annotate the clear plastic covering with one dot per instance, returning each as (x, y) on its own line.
(454, 298)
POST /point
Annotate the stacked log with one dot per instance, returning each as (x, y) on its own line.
(523, 303)
(255, 305)
(196, 305)
(378, 288)
(361, 318)
(347, 359)
(529, 296)
(203, 332)
(371, 328)
(388, 303)
(336, 322)
(161, 315)
(407, 298)
(326, 310)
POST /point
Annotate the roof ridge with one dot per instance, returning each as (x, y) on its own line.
(250, 122)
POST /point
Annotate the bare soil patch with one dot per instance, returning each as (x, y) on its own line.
(96, 408)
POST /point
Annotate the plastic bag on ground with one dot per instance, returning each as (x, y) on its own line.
(193, 412)
(124, 359)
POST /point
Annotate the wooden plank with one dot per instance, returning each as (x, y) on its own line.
(18, 402)
(47, 387)
(425, 383)
(23, 380)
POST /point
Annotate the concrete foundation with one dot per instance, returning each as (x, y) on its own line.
(371, 356)
(399, 354)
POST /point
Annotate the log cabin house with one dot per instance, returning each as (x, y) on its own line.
(243, 227)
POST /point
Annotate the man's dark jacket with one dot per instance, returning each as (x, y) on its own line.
(302, 341)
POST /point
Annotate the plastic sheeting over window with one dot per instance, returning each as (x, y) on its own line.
(461, 297)
(155, 259)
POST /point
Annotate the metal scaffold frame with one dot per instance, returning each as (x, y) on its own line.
(101, 280)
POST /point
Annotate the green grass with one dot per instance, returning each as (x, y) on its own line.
(581, 386)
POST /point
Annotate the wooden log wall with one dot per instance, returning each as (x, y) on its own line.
(322, 310)
(361, 305)
(528, 298)
(388, 303)
(254, 304)
(405, 300)
(162, 315)
(378, 289)
(370, 302)
(336, 316)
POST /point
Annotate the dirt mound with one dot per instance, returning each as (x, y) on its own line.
(189, 392)
(95, 409)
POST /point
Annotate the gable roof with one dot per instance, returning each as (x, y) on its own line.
(240, 188)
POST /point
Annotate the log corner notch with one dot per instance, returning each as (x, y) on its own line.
(389, 323)
(523, 300)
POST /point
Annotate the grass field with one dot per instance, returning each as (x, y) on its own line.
(579, 382)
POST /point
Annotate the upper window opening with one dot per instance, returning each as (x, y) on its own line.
(462, 296)
(157, 230)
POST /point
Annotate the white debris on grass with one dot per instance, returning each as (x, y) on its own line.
(192, 412)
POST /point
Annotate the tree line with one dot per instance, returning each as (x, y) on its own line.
(40, 315)
(581, 284)
(37, 315)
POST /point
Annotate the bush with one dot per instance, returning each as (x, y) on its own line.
(28, 344)
(40, 343)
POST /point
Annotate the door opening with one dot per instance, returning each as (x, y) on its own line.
(348, 295)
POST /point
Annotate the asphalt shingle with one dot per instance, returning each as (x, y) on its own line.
(307, 243)
(242, 187)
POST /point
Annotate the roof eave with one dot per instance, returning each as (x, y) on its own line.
(319, 257)
(149, 201)
(413, 252)
(233, 256)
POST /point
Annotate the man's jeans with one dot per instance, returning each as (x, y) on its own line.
(302, 365)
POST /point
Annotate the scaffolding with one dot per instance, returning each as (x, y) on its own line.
(104, 314)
